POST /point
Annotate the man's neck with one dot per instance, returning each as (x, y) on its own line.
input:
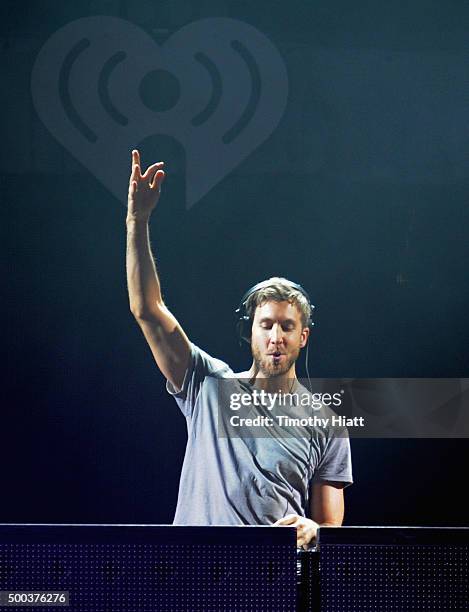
(284, 382)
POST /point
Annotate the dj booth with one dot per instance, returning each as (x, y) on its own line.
(112, 568)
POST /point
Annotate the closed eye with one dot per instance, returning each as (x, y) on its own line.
(287, 326)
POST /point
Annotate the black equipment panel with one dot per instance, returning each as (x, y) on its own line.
(394, 569)
(109, 568)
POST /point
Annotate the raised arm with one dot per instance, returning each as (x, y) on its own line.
(166, 338)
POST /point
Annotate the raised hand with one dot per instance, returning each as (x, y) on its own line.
(144, 189)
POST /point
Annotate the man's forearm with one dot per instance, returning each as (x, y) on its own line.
(142, 279)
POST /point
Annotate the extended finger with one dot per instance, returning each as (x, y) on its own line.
(135, 169)
(136, 164)
(135, 157)
(132, 187)
(152, 169)
(157, 180)
(135, 175)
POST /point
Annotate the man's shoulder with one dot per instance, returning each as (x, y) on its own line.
(213, 366)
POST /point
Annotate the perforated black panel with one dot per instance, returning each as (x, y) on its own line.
(235, 570)
(406, 573)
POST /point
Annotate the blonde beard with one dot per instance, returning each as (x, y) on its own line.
(267, 368)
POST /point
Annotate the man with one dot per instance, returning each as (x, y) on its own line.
(295, 481)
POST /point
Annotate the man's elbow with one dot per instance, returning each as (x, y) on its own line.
(142, 312)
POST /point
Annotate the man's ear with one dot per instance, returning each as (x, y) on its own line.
(304, 336)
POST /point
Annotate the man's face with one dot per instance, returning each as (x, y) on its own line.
(277, 337)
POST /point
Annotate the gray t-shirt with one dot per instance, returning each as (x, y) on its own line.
(246, 480)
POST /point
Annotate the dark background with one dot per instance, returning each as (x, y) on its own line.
(361, 195)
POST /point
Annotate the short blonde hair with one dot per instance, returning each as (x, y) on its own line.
(279, 289)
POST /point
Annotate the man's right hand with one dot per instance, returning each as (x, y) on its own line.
(144, 189)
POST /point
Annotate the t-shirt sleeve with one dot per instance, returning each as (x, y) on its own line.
(201, 365)
(336, 462)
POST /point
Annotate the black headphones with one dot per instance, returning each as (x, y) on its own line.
(244, 321)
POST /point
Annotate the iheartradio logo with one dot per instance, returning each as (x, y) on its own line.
(231, 92)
